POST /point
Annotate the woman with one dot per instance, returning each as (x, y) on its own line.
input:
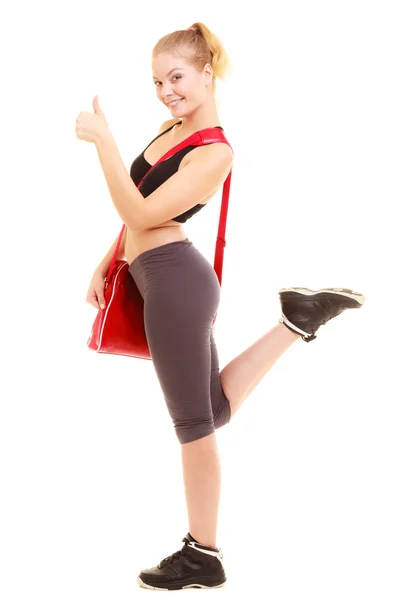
(181, 291)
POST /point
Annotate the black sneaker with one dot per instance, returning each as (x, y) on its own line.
(305, 310)
(194, 566)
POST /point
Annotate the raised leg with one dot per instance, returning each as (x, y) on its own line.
(240, 376)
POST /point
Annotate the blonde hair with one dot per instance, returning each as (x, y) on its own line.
(198, 45)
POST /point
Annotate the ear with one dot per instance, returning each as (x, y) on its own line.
(208, 73)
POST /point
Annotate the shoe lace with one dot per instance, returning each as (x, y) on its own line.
(175, 556)
(329, 315)
(333, 312)
(328, 318)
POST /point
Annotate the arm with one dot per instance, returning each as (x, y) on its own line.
(105, 263)
(126, 197)
(199, 178)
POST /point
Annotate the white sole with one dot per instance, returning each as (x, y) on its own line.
(192, 585)
(360, 298)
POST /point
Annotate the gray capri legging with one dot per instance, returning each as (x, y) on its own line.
(181, 293)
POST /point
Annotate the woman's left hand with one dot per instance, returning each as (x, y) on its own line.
(92, 126)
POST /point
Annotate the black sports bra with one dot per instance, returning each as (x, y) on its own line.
(161, 173)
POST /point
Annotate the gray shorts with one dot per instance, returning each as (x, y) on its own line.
(181, 293)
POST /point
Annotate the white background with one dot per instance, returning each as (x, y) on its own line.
(90, 471)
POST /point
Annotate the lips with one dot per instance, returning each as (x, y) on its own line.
(176, 101)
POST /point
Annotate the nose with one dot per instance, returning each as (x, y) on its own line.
(166, 93)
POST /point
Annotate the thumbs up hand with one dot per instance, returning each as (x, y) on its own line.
(90, 127)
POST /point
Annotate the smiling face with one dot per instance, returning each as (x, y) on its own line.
(175, 79)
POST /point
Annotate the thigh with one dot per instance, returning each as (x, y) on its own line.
(180, 351)
(181, 297)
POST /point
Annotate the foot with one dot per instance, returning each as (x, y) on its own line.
(194, 566)
(305, 310)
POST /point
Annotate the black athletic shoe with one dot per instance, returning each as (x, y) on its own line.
(305, 310)
(194, 566)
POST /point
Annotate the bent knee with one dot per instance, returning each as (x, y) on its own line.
(223, 414)
(193, 429)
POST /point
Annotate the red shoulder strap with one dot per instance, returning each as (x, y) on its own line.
(209, 135)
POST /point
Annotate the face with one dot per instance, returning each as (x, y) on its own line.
(175, 79)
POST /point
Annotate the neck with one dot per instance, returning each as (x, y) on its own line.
(202, 117)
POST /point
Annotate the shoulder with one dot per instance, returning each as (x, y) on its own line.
(167, 124)
(215, 151)
(218, 152)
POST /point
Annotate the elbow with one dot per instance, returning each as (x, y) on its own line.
(132, 211)
(131, 224)
(144, 219)
(136, 221)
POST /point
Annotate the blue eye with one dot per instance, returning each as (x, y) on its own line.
(178, 76)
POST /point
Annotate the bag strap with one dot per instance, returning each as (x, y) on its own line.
(209, 135)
